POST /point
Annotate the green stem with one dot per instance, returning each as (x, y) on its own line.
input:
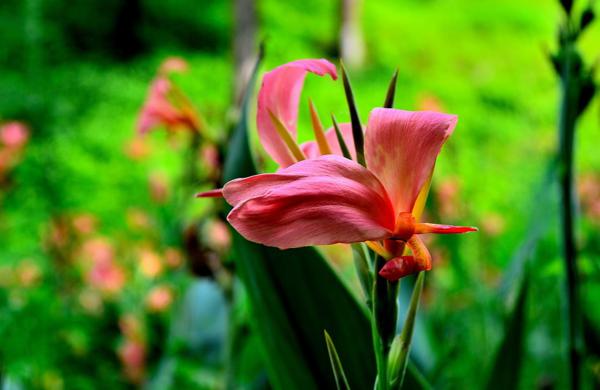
(568, 116)
(383, 326)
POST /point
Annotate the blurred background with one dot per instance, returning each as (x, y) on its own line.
(113, 276)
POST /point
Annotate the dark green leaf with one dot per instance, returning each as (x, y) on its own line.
(357, 132)
(506, 366)
(391, 91)
(567, 5)
(586, 94)
(340, 139)
(586, 18)
(336, 365)
(401, 346)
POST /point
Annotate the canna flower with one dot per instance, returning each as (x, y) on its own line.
(329, 199)
(165, 104)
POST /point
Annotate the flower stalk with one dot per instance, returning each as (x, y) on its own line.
(576, 91)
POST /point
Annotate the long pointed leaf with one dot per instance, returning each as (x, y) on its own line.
(357, 132)
(336, 365)
(506, 368)
(340, 139)
(401, 345)
(391, 91)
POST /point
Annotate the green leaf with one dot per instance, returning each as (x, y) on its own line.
(363, 270)
(391, 91)
(357, 132)
(506, 366)
(401, 346)
(340, 139)
(336, 365)
(293, 296)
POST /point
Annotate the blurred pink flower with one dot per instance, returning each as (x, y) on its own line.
(28, 273)
(131, 326)
(493, 224)
(137, 148)
(429, 102)
(159, 298)
(173, 64)
(209, 155)
(84, 223)
(108, 277)
(132, 354)
(218, 235)
(150, 263)
(98, 250)
(138, 219)
(159, 187)
(103, 273)
(167, 106)
(173, 257)
(589, 193)
(14, 134)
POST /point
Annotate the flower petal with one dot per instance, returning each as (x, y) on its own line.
(311, 148)
(399, 267)
(422, 228)
(322, 201)
(280, 94)
(401, 148)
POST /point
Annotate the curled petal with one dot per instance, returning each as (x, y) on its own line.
(402, 266)
(314, 202)
(399, 267)
(401, 148)
(280, 94)
(311, 148)
(421, 228)
(420, 252)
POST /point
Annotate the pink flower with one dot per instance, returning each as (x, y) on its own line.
(159, 299)
(14, 134)
(173, 64)
(151, 265)
(330, 199)
(166, 106)
(132, 354)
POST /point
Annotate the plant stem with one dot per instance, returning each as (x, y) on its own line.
(568, 116)
(383, 325)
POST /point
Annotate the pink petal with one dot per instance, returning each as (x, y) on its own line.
(216, 193)
(402, 266)
(421, 228)
(399, 267)
(311, 149)
(280, 94)
(322, 201)
(401, 148)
